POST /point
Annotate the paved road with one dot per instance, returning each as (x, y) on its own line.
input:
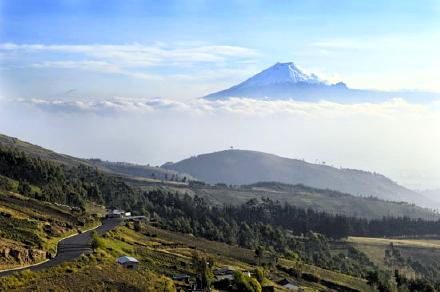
(71, 248)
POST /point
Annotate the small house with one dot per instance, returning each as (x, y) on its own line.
(247, 273)
(128, 262)
(116, 213)
(288, 284)
(224, 273)
(181, 277)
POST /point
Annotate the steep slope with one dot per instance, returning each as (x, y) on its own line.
(239, 167)
(30, 228)
(286, 81)
(37, 151)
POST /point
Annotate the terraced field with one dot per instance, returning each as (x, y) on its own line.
(30, 229)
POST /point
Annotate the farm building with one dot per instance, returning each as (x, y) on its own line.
(128, 262)
(288, 284)
(224, 273)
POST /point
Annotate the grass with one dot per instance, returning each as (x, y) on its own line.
(421, 243)
(327, 275)
(92, 273)
(36, 225)
(426, 251)
(243, 258)
(160, 252)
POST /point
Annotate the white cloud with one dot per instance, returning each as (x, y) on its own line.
(136, 60)
(394, 108)
(137, 55)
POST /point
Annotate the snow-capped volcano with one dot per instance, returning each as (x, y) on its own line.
(281, 73)
(282, 80)
(286, 81)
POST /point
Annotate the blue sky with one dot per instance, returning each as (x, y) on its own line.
(185, 49)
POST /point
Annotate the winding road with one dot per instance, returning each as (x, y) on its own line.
(71, 248)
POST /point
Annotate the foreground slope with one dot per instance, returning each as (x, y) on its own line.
(30, 228)
(240, 167)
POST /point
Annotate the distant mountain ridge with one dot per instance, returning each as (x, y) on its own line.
(433, 195)
(242, 167)
(287, 81)
(141, 176)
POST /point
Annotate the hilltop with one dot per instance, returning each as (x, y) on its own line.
(241, 167)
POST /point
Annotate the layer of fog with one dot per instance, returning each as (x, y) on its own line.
(396, 138)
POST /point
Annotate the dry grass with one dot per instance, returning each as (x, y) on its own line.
(422, 243)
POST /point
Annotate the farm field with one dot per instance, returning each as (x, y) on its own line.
(162, 254)
(31, 229)
(404, 255)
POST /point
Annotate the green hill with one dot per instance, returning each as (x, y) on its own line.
(238, 167)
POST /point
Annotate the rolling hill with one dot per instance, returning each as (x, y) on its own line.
(240, 167)
(139, 176)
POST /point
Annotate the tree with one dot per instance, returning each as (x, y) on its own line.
(24, 188)
(96, 242)
(372, 278)
(258, 254)
(259, 274)
(203, 268)
(245, 283)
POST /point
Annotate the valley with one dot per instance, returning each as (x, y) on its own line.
(274, 231)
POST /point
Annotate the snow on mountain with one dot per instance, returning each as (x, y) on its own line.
(282, 80)
(286, 81)
(281, 73)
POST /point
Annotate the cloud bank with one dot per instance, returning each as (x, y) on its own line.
(239, 106)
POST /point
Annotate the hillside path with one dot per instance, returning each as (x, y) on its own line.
(70, 248)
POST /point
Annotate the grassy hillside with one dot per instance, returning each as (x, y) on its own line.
(163, 254)
(413, 258)
(30, 228)
(238, 167)
(37, 151)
